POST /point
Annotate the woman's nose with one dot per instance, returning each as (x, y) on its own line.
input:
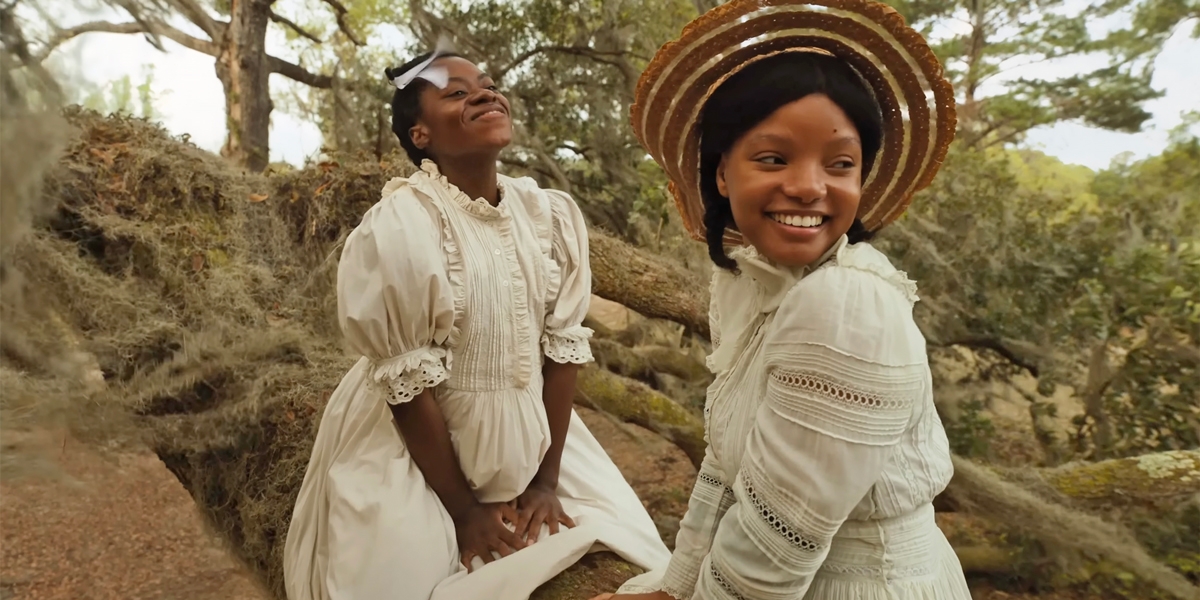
(484, 95)
(805, 182)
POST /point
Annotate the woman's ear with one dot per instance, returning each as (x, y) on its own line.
(419, 134)
(721, 185)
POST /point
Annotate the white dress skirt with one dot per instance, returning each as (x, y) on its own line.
(436, 290)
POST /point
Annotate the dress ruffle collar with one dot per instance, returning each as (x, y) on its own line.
(773, 281)
(476, 207)
(769, 284)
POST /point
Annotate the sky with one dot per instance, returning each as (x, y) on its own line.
(189, 98)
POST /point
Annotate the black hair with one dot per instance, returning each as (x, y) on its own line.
(753, 94)
(406, 107)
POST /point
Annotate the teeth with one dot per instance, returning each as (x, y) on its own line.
(798, 221)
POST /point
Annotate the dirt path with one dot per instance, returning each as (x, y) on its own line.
(125, 529)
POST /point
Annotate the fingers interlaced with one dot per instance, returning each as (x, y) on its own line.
(509, 514)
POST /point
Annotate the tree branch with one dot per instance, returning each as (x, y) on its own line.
(277, 18)
(63, 36)
(155, 28)
(297, 73)
(185, 40)
(998, 347)
(341, 11)
(200, 18)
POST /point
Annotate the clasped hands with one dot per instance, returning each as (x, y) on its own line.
(484, 528)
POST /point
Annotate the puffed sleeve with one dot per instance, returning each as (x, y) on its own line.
(846, 365)
(565, 339)
(395, 304)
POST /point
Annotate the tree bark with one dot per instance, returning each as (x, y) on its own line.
(244, 72)
(647, 283)
(634, 402)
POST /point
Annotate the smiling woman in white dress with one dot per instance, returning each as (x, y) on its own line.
(449, 464)
(793, 130)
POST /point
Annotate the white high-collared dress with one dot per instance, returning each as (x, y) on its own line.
(825, 451)
(438, 290)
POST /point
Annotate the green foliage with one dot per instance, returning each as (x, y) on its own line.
(989, 42)
(971, 431)
(1089, 281)
(123, 96)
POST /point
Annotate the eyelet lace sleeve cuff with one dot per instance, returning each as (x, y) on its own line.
(568, 346)
(402, 378)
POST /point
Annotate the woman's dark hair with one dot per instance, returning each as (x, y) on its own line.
(406, 107)
(753, 94)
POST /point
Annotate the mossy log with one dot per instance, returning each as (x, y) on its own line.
(635, 402)
(643, 363)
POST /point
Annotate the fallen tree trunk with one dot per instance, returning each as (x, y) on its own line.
(643, 363)
(647, 283)
(634, 402)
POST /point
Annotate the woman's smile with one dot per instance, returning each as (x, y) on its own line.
(799, 229)
(492, 113)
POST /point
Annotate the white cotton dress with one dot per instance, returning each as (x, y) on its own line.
(436, 290)
(825, 451)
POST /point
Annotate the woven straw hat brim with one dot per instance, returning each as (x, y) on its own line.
(897, 64)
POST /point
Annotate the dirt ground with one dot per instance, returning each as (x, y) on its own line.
(124, 528)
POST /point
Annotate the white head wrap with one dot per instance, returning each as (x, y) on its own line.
(438, 76)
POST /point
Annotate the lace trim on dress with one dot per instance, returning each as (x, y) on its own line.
(412, 383)
(568, 346)
(670, 590)
(402, 378)
(823, 385)
(844, 397)
(679, 580)
(724, 583)
(776, 522)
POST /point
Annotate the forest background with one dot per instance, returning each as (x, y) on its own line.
(157, 294)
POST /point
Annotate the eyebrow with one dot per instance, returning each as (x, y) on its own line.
(481, 77)
(849, 137)
(779, 139)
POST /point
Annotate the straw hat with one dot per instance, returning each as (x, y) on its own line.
(893, 59)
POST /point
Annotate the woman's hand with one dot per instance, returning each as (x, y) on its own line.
(481, 531)
(539, 504)
(650, 596)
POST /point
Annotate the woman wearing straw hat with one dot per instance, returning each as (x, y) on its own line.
(791, 131)
(471, 478)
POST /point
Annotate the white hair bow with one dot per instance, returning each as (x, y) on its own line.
(438, 76)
